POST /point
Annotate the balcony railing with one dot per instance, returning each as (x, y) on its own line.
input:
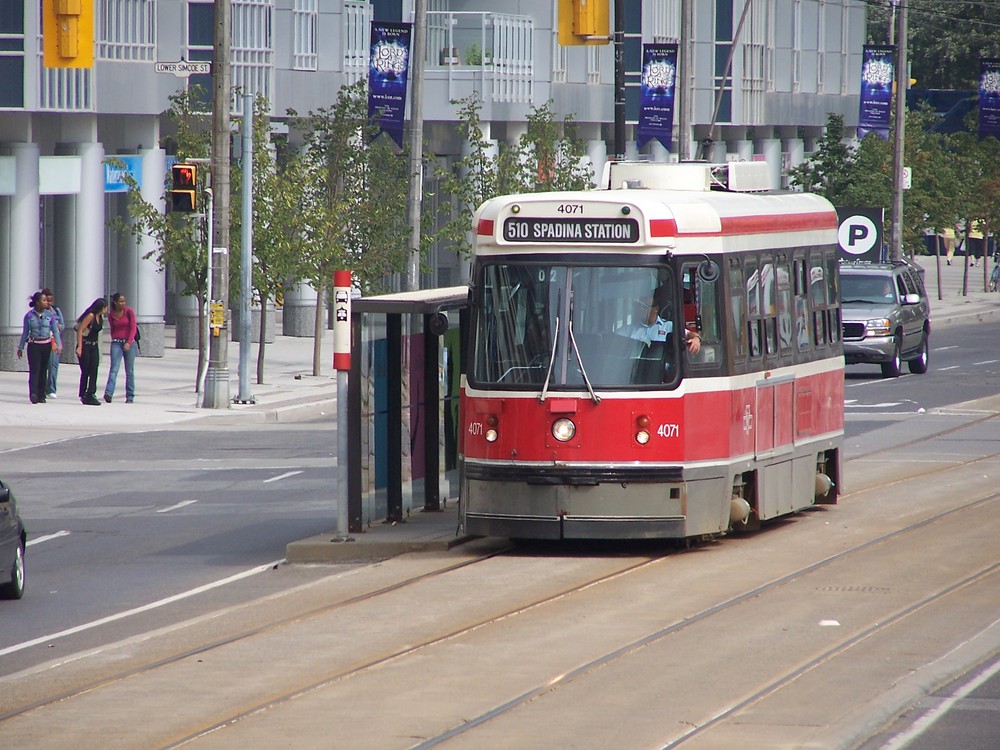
(496, 47)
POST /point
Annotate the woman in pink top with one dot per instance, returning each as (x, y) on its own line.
(122, 326)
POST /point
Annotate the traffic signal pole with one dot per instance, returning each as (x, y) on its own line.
(216, 394)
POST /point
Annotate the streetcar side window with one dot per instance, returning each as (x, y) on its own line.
(769, 306)
(833, 326)
(818, 290)
(801, 306)
(737, 305)
(784, 290)
(753, 308)
(701, 313)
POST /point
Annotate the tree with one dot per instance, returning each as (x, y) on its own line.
(278, 231)
(548, 156)
(180, 237)
(828, 172)
(353, 203)
(946, 38)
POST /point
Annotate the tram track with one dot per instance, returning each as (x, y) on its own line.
(697, 618)
(372, 662)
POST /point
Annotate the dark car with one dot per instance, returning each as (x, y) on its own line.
(13, 540)
(886, 316)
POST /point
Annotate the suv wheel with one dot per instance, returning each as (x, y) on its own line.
(891, 368)
(918, 366)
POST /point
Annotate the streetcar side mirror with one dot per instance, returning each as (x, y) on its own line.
(708, 271)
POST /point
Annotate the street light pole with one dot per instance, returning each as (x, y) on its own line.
(899, 123)
(416, 142)
(217, 378)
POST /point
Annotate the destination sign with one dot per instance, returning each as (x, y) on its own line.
(527, 229)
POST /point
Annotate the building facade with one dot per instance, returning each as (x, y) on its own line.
(792, 63)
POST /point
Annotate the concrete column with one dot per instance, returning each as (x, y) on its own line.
(658, 153)
(298, 313)
(796, 149)
(770, 148)
(743, 149)
(149, 285)
(269, 324)
(597, 151)
(186, 326)
(20, 252)
(78, 244)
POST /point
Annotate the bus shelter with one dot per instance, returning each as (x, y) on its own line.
(406, 363)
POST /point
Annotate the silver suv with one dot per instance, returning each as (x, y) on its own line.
(886, 316)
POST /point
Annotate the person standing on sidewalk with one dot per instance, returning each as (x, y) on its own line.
(88, 350)
(122, 324)
(39, 331)
(54, 357)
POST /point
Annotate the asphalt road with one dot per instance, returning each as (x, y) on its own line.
(170, 524)
(121, 522)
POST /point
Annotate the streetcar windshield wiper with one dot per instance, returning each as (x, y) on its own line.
(552, 360)
(583, 371)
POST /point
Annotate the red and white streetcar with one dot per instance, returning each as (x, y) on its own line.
(657, 359)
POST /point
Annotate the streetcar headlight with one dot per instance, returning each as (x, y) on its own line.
(563, 429)
(879, 327)
(491, 436)
(642, 437)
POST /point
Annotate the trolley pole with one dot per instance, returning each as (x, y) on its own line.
(246, 255)
(217, 378)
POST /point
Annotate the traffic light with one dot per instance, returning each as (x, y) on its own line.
(68, 33)
(184, 188)
(584, 22)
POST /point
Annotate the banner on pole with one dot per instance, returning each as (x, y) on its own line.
(989, 97)
(656, 96)
(878, 68)
(388, 67)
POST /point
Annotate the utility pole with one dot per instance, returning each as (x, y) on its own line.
(217, 378)
(684, 88)
(899, 123)
(412, 281)
(618, 34)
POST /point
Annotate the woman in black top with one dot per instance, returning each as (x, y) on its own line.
(88, 350)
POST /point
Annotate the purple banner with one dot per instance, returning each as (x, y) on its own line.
(656, 95)
(388, 66)
(877, 73)
(989, 97)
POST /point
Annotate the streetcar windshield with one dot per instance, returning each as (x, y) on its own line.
(610, 325)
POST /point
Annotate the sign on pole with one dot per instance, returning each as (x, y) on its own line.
(183, 68)
(341, 320)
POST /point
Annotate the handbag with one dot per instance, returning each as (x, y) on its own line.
(137, 338)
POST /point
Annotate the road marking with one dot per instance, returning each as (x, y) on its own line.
(47, 537)
(885, 405)
(949, 367)
(139, 610)
(282, 476)
(928, 719)
(987, 362)
(183, 504)
(945, 348)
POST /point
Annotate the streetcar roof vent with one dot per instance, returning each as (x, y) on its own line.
(734, 176)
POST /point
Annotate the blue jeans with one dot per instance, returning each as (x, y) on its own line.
(53, 371)
(118, 352)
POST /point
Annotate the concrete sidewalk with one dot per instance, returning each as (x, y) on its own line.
(166, 392)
